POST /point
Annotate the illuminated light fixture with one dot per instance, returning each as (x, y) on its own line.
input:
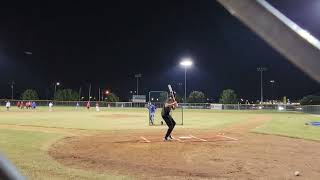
(186, 62)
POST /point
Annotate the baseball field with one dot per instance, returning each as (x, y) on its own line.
(118, 143)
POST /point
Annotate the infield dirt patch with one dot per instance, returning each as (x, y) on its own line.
(251, 156)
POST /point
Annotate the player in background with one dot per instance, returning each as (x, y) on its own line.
(18, 104)
(8, 105)
(22, 105)
(33, 105)
(77, 105)
(152, 111)
(88, 105)
(28, 105)
(165, 113)
(50, 106)
(97, 107)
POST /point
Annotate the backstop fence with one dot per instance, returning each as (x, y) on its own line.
(314, 109)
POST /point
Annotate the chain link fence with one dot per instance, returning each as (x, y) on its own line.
(315, 109)
(312, 109)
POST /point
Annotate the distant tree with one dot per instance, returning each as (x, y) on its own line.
(196, 97)
(228, 96)
(29, 94)
(111, 97)
(66, 95)
(310, 100)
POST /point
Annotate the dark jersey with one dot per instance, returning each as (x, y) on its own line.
(165, 111)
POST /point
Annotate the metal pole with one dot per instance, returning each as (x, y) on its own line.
(12, 83)
(102, 95)
(99, 95)
(8, 170)
(185, 84)
(89, 91)
(138, 76)
(261, 98)
(79, 93)
(55, 89)
(182, 115)
(261, 69)
(11, 91)
(273, 96)
(137, 85)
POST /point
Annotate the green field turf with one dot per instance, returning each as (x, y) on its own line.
(291, 125)
(28, 149)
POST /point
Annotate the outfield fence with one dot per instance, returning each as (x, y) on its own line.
(312, 109)
(315, 109)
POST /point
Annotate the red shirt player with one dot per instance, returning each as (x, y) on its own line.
(21, 105)
(18, 104)
(28, 104)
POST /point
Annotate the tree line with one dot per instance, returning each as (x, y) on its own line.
(64, 95)
(228, 96)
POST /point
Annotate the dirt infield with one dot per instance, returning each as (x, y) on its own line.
(229, 154)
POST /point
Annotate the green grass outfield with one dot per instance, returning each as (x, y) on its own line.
(28, 149)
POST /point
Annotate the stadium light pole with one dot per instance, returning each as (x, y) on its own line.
(261, 70)
(80, 93)
(99, 95)
(272, 89)
(186, 62)
(89, 92)
(106, 93)
(55, 87)
(138, 76)
(12, 83)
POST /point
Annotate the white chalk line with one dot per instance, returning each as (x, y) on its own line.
(227, 137)
(185, 137)
(145, 139)
(176, 139)
(198, 138)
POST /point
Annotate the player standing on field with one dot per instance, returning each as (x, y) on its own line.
(165, 113)
(88, 105)
(97, 107)
(50, 106)
(152, 110)
(8, 105)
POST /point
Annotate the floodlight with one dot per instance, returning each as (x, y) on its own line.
(186, 62)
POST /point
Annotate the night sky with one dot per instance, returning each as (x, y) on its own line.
(106, 44)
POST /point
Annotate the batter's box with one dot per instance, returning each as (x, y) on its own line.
(193, 138)
(187, 138)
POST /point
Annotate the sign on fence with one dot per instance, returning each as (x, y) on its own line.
(139, 98)
(216, 106)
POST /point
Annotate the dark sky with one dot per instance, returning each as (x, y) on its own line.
(106, 44)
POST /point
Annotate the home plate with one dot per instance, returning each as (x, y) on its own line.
(185, 137)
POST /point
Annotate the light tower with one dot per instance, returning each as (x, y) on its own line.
(186, 62)
(261, 70)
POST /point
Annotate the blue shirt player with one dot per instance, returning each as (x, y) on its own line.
(152, 111)
(33, 105)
